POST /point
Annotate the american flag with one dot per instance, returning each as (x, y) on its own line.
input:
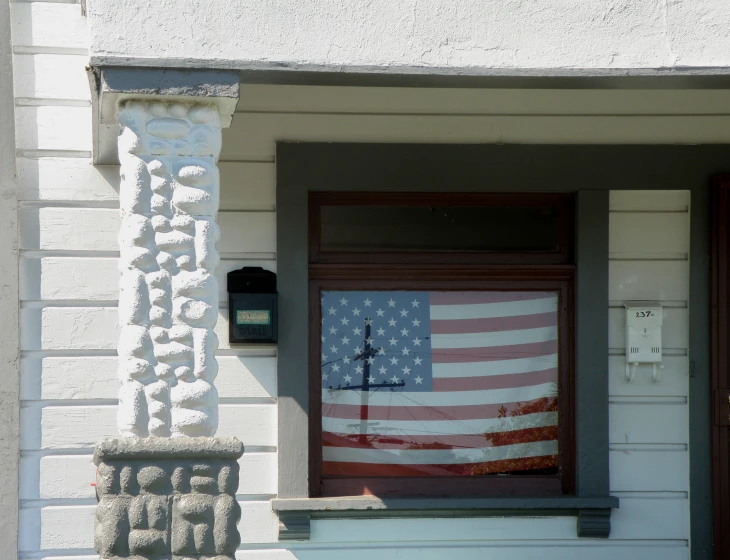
(438, 383)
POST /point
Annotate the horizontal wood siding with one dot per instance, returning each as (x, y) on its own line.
(69, 224)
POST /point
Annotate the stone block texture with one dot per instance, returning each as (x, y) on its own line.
(168, 301)
(158, 501)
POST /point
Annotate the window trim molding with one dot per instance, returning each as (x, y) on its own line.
(586, 170)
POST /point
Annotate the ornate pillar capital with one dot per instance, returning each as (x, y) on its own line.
(113, 88)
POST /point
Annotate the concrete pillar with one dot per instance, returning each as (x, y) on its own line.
(168, 297)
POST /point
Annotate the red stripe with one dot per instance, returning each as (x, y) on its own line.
(506, 381)
(462, 441)
(471, 298)
(334, 468)
(465, 412)
(493, 353)
(494, 324)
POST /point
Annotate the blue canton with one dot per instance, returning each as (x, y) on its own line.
(400, 340)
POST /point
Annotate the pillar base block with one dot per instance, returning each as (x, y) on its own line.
(162, 498)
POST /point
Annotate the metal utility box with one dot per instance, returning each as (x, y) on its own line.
(252, 306)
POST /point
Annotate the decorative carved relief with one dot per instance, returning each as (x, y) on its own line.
(168, 302)
(170, 502)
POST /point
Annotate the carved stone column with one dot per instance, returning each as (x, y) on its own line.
(168, 301)
(167, 487)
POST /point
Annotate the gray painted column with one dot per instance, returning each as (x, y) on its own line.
(9, 304)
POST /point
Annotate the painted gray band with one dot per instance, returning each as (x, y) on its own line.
(169, 81)
(260, 72)
(9, 303)
(700, 421)
(591, 337)
(491, 167)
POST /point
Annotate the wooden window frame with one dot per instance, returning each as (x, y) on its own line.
(427, 270)
(564, 203)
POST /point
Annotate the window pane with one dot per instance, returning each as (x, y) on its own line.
(439, 383)
(423, 228)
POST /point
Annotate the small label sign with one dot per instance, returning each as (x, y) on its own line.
(257, 317)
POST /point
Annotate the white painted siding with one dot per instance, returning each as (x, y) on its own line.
(69, 280)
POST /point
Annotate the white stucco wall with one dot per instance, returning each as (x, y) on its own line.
(429, 34)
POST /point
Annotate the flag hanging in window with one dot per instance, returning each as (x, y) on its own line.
(439, 383)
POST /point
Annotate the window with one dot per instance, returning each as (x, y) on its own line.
(441, 344)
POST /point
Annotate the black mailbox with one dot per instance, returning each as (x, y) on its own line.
(252, 305)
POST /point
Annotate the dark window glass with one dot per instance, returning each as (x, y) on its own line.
(439, 228)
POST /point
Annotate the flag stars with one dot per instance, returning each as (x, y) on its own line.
(324, 357)
(380, 312)
(358, 350)
(325, 376)
(345, 340)
(416, 323)
(403, 313)
(415, 303)
(405, 351)
(392, 322)
(382, 370)
(369, 340)
(336, 368)
(343, 302)
(333, 348)
(418, 379)
(368, 321)
(371, 360)
(394, 360)
(332, 310)
(346, 360)
(381, 331)
(367, 302)
(393, 341)
(371, 379)
(417, 341)
(356, 331)
(381, 351)
(347, 379)
(391, 302)
(404, 331)
(406, 370)
(356, 311)
(345, 321)
(333, 330)
(358, 369)
(417, 361)
(394, 379)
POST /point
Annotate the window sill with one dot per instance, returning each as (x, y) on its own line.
(295, 514)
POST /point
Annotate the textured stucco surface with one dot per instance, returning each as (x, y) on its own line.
(9, 355)
(446, 34)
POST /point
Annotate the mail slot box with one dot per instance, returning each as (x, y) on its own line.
(252, 306)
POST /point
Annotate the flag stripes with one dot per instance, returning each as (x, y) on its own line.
(474, 383)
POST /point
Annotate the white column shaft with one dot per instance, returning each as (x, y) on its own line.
(168, 297)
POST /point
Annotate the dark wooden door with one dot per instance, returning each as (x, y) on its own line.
(720, 329)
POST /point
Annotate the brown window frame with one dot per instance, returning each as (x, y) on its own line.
(493, 270)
